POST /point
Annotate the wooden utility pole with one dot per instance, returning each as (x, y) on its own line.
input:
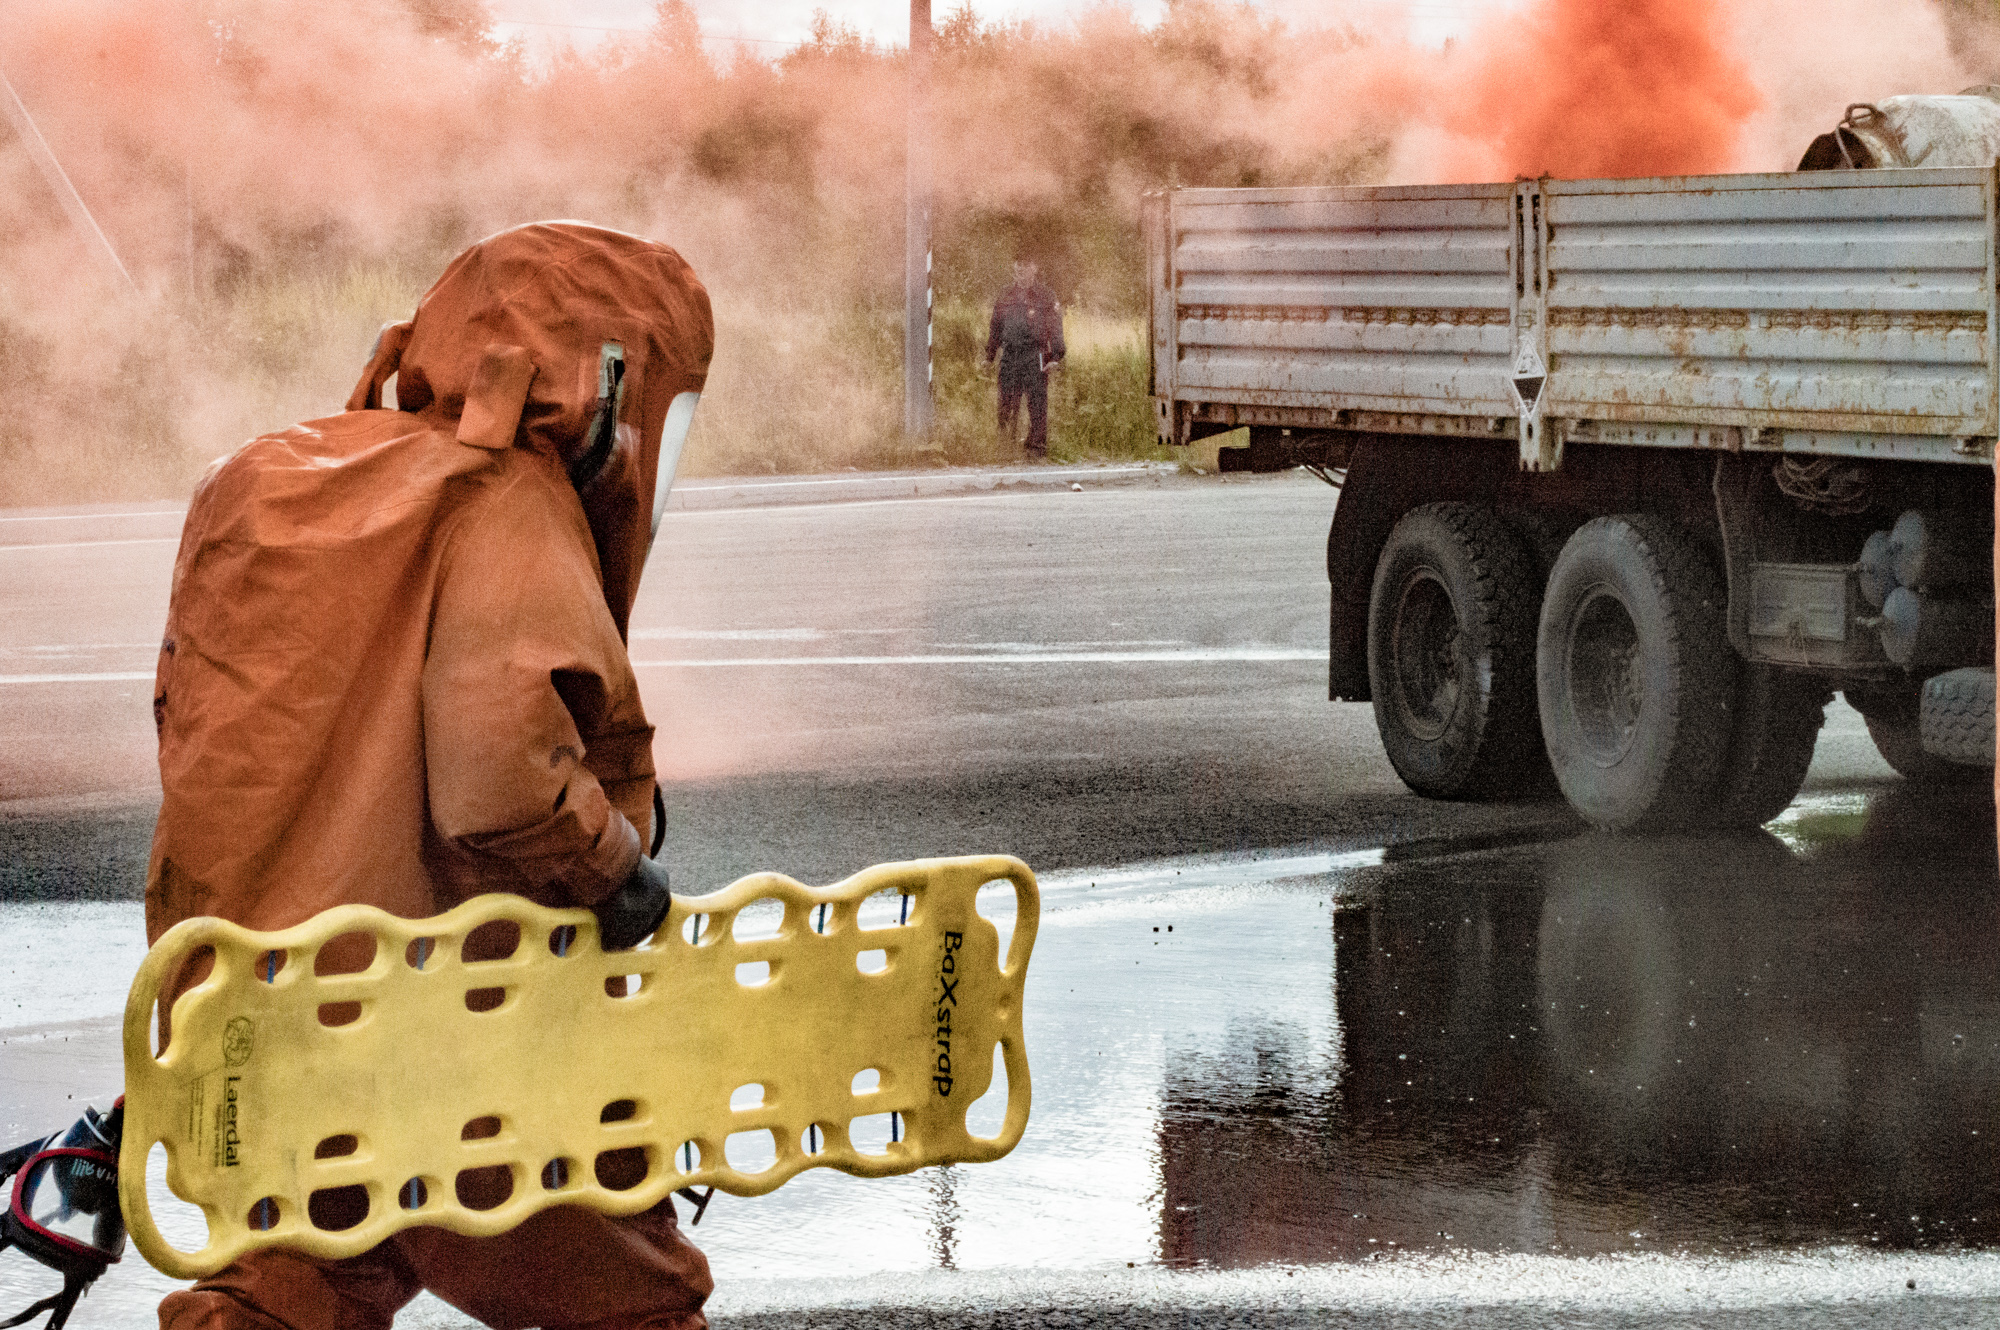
(917, 232)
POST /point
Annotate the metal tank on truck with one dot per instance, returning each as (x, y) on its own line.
(1635, 474)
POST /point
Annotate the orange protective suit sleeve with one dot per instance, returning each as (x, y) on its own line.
(524, 668)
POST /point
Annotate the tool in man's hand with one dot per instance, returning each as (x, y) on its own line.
(565, 1073)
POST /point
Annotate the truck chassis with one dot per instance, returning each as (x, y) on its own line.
(1635, 473)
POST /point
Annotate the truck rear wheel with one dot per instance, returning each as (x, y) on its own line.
(1635, 675)
(1451, 634)
(1778, 718)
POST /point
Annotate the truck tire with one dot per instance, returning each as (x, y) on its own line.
(1635, 675)
(1451, 653)
(1956, 717)
(1778, 718)
(1895, 722)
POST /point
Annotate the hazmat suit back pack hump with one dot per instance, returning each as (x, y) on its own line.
(394, 673)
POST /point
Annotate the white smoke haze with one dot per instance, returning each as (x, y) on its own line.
(1834, 52)
(282, 176)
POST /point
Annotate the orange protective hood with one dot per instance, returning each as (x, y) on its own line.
(508, 349)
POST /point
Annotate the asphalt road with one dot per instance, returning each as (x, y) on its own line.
(1080, 678)
(1356, 1079)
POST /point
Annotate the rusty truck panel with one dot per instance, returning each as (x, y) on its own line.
(1856, 302)
(1392, 300)
(1846, 313)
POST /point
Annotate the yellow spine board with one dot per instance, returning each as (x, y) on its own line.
(254, 1082)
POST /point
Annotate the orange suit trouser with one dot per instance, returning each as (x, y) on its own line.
(568, 1267)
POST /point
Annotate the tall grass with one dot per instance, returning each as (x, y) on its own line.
(820, 388)
(281, 184)
(806, 387)
(294, 343)
(1098, 408)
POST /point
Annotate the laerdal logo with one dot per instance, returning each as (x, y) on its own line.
(228, 1142)
(947, 1003)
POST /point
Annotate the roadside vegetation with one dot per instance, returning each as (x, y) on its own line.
(272, 225)
(805, 391)
(798, 389)
(282, 176)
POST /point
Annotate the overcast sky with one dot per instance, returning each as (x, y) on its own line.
(777, 24)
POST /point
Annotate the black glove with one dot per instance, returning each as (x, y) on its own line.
(631, 914)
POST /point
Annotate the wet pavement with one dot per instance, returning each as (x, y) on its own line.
(1306, 1049)
(1686, 1045)
(1442, 1056)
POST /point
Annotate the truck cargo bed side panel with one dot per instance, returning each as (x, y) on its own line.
(1383, 299)
(1835, 301)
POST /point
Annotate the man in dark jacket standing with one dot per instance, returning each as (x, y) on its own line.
(1026, 333)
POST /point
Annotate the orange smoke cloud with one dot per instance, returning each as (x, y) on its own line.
(280, 175)
(1582, 88)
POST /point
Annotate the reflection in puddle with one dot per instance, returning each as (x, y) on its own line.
(1820, 821)
(1702, 1044)
(1774, 1042)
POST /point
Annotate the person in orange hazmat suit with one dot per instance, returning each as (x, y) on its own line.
(395, 673)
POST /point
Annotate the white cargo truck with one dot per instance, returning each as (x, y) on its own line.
(1635, 473)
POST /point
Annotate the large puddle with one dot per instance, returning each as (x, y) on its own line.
(1700, 1045)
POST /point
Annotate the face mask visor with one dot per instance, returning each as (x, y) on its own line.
(673, 438)
(64, 1211)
